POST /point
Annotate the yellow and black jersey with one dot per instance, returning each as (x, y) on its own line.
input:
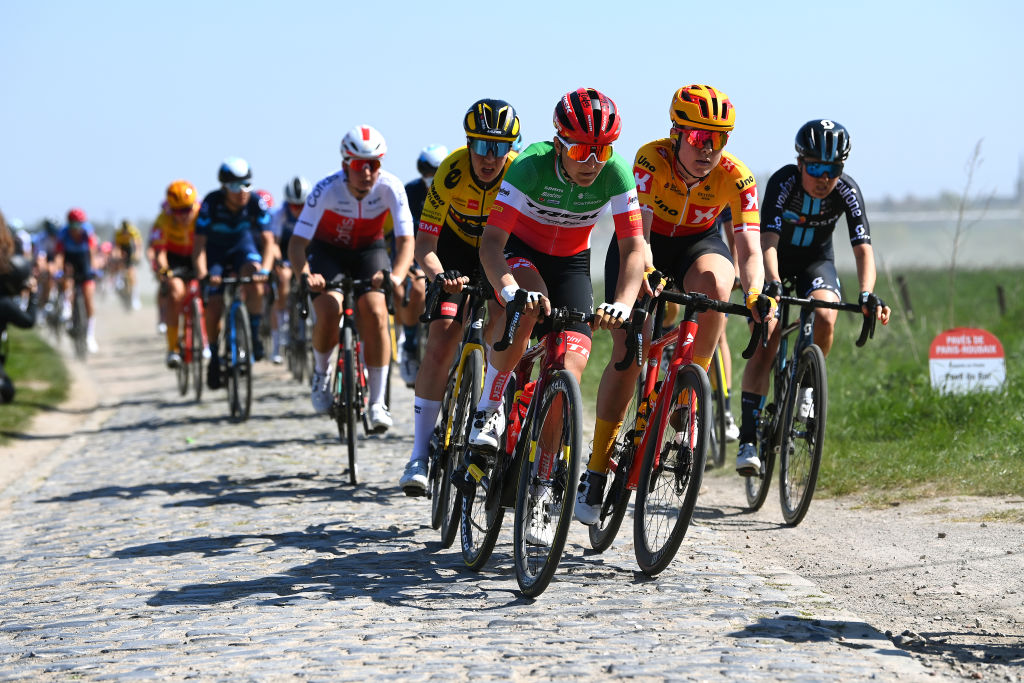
(455, 201)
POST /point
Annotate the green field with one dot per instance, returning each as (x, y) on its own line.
(40, 379)
(888, 431)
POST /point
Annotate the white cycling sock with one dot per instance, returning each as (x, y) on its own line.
(90, 327)
(424, 419)
(377, 379)
(494, 387)
(321, 359)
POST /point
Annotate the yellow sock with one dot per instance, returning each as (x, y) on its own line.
(604, 434)
(172, 337)
(703, 361)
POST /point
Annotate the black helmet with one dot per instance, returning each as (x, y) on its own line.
(491, 119)
(234, 170)
(823, 139)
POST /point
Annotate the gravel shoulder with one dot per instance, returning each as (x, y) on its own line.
(941, 576)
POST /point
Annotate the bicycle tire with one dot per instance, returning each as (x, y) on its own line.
(350, 402)
(78, 324)
(756, 488)
(617, 493)
(437, 485)
(196, 338)
(184, 370)
(466, 398)
(667, 491)
(803, 438)
(241, 365)
(716, 447)
(557, 492)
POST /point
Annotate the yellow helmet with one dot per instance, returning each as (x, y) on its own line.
(701, 106)
(181, 194)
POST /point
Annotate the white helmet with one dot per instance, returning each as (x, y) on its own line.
(430, 159)
(363, 142)
(296, 190)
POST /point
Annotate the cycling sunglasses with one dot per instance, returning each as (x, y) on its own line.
(817, 169)
(481, 147)
(580, 151)
(357, 165)
(240, 186)
(698, 138)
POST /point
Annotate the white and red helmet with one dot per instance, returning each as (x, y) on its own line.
(363, 142)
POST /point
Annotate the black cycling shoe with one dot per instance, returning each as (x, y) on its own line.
(213, 374)
(462, 480)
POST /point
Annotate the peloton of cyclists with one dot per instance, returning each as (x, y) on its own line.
(76, 252)
(802, 204)
(447, 244)
(224, 244)
(342, 225)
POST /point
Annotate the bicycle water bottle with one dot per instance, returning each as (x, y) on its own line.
(518, 414)
(641, 420)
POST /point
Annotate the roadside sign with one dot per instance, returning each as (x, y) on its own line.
(966, 359)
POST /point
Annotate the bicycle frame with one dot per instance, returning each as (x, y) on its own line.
(193, 302)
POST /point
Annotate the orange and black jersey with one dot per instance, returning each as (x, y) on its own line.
(457, 201)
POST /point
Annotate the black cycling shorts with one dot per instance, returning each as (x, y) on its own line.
(455, 254)
(359, 264)
(804, 278)
(566, 277)
(673, 256)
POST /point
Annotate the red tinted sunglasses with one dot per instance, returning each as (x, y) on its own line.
(358, 165)
(695, 137)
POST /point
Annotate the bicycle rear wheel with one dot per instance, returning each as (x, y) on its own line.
(79, 319)
(617, 494)
(756, 488)
(716, 447)
(438, 485)
(672, 470)
(349, 409)
(803, 436)
(465, 401)
(184, 369)
(195, 336)
(547, 482)
(240, 371)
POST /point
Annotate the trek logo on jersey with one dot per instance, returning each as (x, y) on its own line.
(702, 215)
(749, 198)
(642, 178)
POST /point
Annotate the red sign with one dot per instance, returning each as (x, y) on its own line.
(966, 359)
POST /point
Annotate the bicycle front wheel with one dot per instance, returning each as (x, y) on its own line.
(547, 482)
(241, 366)
(672, 470)
(617, 494)
(439, 487)
(466, 398)
(195, 337)
(349, 409)
(184, 369)
(803, 436)
(79, 319)
(756, 487)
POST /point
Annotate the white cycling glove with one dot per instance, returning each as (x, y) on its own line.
(509, 293)
(615, 310)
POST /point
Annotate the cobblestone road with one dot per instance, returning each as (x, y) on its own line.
(160, 540)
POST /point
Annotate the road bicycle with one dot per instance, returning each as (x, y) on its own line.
(193, 344)
(78, 325)
(461, 394)
(299, 349)
(666, 427)
(717, 438)
(540, 470)
(791, 426)
(236, 362)
(349, 389)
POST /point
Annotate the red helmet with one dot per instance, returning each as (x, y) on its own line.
(76, 216)
(588, 116)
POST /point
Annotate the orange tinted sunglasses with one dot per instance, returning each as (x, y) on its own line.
(579, 151)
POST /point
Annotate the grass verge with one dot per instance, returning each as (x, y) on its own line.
(40, 378)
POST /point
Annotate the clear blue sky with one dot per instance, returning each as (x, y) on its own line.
(104, 103)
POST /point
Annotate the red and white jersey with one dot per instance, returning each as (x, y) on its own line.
(334, 216)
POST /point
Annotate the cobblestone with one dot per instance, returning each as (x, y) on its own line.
(167, 542)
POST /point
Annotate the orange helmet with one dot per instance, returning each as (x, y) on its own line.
(701, 106)
(181, 194)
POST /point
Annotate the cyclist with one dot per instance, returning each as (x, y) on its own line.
(224, 243)
(803, 202)
(538, 238)
(76, 251)
(173, 243)
(15, 280)
(282, 225)
(684, 182)
(342, 224)
(447, 244)
(128, 242)
(44, 247)
(416, 190)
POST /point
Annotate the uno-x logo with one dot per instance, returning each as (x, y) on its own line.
(643, 179)
(703, 214)
(749, 200)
